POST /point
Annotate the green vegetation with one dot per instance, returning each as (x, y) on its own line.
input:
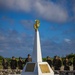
(1, 57)
(1, 61)
(70, 56)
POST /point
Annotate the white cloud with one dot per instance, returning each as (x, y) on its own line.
(51, 11)
(44, 9)
(20, 44)
(13, 42)
(27, 24)
(64, 47)
(23, 5)
(67, 40)
(1, 51)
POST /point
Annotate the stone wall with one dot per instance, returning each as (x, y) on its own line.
(9, 71)
(18, 72)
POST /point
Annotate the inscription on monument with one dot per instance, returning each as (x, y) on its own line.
(30, 67)
(44, 68)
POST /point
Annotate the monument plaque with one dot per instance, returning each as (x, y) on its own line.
(30, 67)
(44, 68)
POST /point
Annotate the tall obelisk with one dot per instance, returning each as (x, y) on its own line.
(37, 67)
(37, 56)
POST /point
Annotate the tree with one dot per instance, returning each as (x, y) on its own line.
(1, 57)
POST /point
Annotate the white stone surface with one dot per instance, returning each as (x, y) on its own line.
(37, 59)
(37, 70)
(36, 55)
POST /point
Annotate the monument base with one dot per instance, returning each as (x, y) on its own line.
(42, 68)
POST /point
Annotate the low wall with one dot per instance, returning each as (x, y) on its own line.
(9, 71)
(18, 72)
(56, 72)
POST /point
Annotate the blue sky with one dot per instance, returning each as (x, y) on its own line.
(57, 27)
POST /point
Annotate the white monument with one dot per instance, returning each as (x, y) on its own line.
(37, 67)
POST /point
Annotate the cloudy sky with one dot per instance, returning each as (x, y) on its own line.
(57, 27)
